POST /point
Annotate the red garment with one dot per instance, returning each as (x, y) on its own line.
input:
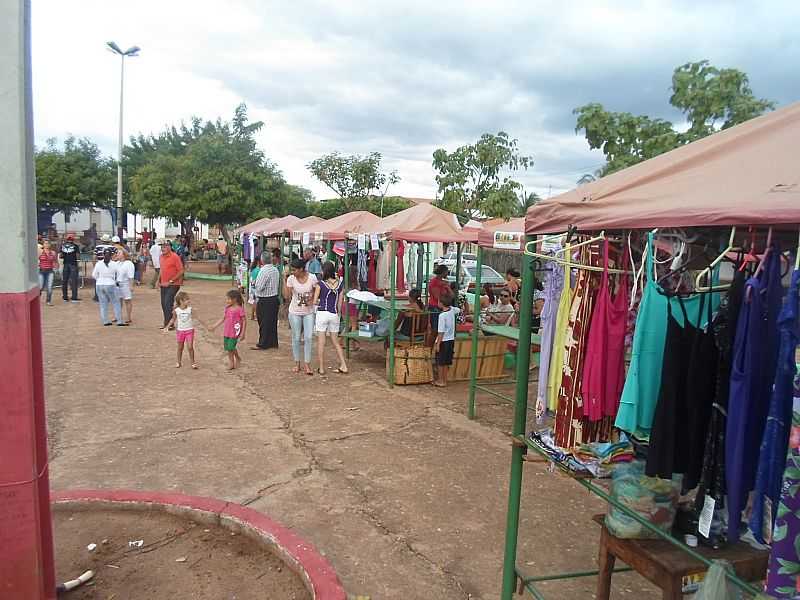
(604, 365)
(47, 260)
(372, 275)
(400, 278)
(436, 287)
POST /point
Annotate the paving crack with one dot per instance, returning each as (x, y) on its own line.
(153, 435)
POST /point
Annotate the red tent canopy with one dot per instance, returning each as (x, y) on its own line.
(358, 221)
(425, 223)
(279, 225)
(255, 226)
(505, 235)
(746, 175)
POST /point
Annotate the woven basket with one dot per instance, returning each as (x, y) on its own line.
(412, 364)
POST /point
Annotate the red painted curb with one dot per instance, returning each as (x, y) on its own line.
(302, 557)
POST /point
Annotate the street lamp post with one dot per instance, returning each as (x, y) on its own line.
(132, 51)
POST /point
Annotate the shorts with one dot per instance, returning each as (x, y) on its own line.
(229, 343)
(326, 322)
(124, 291)
(185, 335)
(353, 308)
(444, 357)
(221, 258)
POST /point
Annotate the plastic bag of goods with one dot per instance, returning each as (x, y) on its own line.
(654, 499)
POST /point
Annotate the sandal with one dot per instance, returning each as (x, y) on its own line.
(194, 366)
(321, 372)
(345, 372)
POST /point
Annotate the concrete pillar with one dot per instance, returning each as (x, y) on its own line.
(26, 541)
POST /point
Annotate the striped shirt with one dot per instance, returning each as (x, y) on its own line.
(47, 260)
(266, 284)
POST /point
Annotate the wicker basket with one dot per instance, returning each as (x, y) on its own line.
(412, 364)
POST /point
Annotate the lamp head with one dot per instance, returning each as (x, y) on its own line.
(114, 48)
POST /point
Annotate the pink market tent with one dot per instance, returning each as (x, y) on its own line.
(359, 221)
(505, 235)
(254, 227)
(425, 223)
(307, 224)
(746, 175)
(279, 225)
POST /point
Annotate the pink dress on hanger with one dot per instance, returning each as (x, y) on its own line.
(400, 274)
(604, 367)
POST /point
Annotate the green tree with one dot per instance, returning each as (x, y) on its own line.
(709, 97)
(213, 172)
(526, 200)
(471, 178)
(353, 178)
(74, 177)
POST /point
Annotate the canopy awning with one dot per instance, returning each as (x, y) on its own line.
(311, 223)
(746, 175)
(279, 225)
(355, 222)
(254, 227)
(505, 235)
(425, 223)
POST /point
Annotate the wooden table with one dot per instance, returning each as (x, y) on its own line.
(665, 565)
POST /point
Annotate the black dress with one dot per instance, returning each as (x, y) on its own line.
(712, 478)
(683, 410)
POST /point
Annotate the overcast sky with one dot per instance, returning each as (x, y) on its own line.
(400, 78)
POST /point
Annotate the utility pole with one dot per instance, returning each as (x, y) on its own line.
(26, 539)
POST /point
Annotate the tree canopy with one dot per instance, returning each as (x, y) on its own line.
(73, 177)
(709, 97)
(329, 209)
(353, 178)
(210, 171)
(471, 178)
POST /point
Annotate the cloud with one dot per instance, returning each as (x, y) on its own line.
(399, 78)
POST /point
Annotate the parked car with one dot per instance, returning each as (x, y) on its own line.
(449, 260)
(488, 276)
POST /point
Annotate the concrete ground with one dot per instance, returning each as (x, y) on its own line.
(403, 493)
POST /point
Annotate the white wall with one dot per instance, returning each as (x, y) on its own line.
(82, 219)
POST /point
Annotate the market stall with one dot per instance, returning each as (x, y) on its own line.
(489, 341)
(420, 224)
(708, 394)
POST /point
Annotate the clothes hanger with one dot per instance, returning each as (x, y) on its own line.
(707, 271)
(765, 255)
(598, 238)
(569, 263)
(542, 240)
(750, 257)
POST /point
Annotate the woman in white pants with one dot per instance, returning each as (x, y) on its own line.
(105, 278)
(126, 272)
(331, 300)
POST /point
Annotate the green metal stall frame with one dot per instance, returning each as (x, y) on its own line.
(486, 388)
(512, 575)
(348, 335)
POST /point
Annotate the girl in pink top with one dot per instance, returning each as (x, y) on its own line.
(235, 326)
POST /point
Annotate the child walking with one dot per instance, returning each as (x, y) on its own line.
(445, 338)
(183, 322)
(235, 327)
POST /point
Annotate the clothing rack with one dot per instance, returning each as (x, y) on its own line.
(513, 577)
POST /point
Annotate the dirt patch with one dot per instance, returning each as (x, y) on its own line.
(178, 559)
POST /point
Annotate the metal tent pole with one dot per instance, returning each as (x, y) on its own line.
(458, 266)
(346, 301)
(520, 414)
(473, 359)
(392, 294)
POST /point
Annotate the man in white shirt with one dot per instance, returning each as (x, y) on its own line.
(105, 278)
(266, 291)
(155, 258)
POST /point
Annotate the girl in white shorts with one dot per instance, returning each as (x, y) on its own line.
(331, 300)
